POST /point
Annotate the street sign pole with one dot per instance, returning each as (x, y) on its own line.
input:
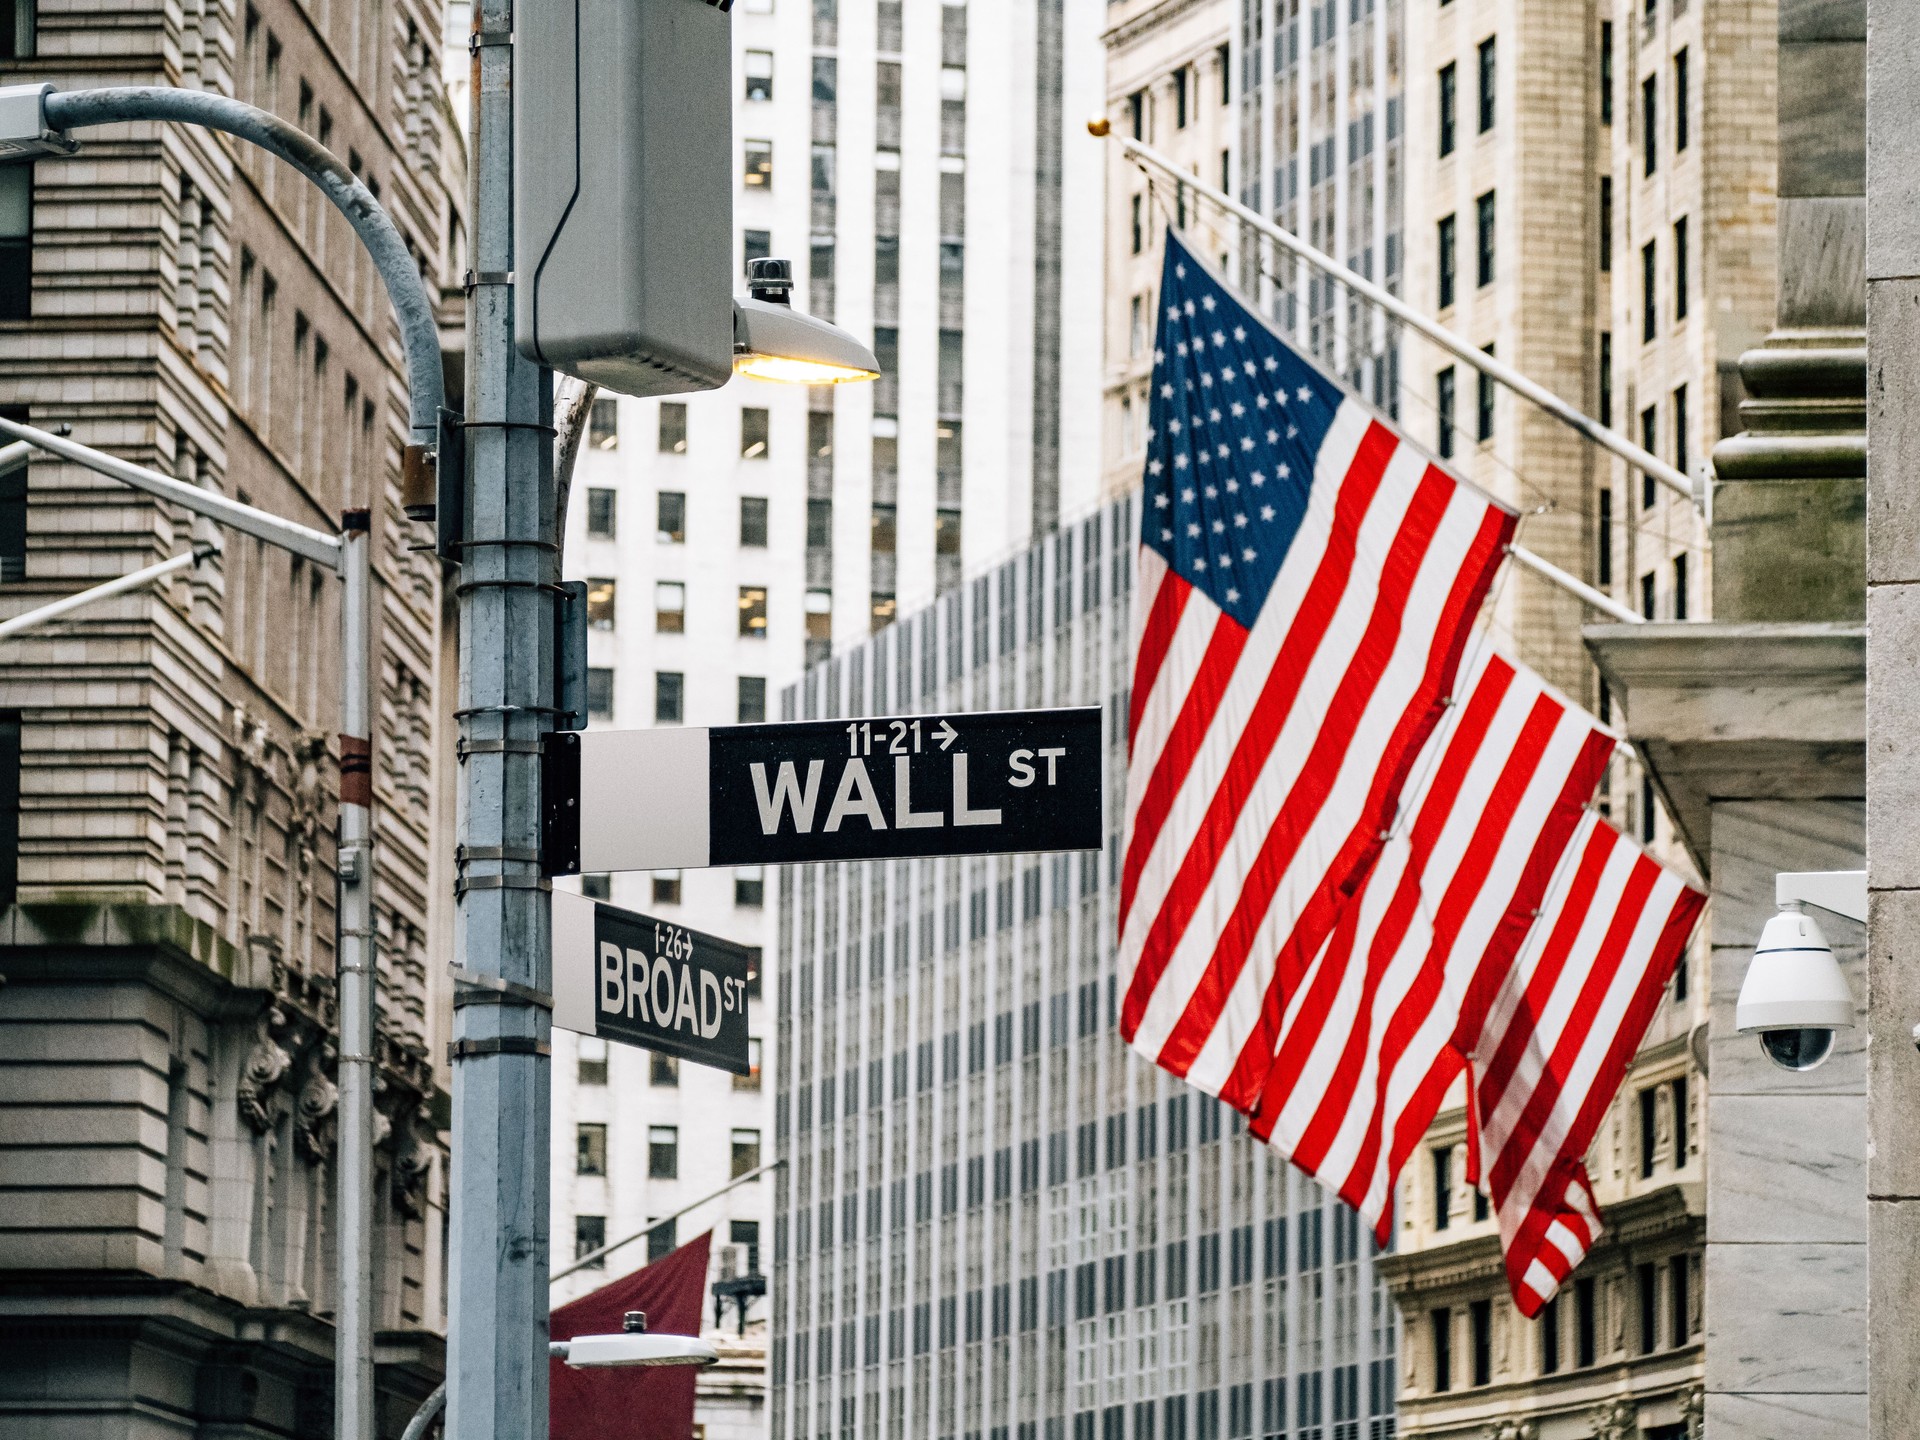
(498, 1250)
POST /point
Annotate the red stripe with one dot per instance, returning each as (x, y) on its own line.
(1163, 620)
(1276, 702)
(1357, 855)
(1303, 803)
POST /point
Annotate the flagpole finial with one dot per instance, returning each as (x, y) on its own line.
(1098, 127)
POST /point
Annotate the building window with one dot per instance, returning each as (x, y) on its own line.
(1182, 82)
(1483, 394)
(589, 1235)
(1649, 810)
(1137, 326)
(820, 524)
(753, 521)
(669, 607)
(590, 1150)
(1649, 442)
(1603, 540)
(1550, 1337)
(597, 887)
(757, 166)
(884, 528)
(1446, 245)
(663, 1152)
(1442, 1349)
(754, 245)
(757, 67)
(592, 1061)
(670, 518)
(750, 885)
(1606, 224)
(669, 696)
(1650, 123)
(1649, 293)
(1137, 114)
(1443, 385)
(1680, 101)
(1606, 377)
(1483, 212)
(1449, 106)
(603, 425)
(1606, 72)
(819, 605)
(1678, 1093)
(599, 693)
(600, 604)
(946, 532)
(753, 434)
(666, 887)
(1647, 594)
(1680, 269)
(1680, 455)
(1442, 1186)
(1139, 231)
(660, 1238)
(663, 1071)
(1481, 1313)
(17, 19)
(752, 697)
(1679, 1298)
(600, 513)
(750, 1080)
(746, 1152)
(1586, 1329)
(746, 1233)
(13, 522)
(673, 427)
(16, 238)
(753, 612)
(1488, 67)
(1649, 1129)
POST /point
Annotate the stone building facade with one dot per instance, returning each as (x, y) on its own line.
(167, 1022)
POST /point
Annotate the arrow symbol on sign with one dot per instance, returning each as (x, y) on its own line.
(946, 735)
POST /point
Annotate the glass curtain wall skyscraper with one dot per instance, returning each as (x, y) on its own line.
(994, 1220)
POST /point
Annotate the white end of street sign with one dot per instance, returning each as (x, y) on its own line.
(656, 819)
(573, 1000)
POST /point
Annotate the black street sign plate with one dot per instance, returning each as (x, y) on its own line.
(875, 788)
(648, 982)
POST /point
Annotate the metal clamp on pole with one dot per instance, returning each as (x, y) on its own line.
(497, 1045)
(473, 988)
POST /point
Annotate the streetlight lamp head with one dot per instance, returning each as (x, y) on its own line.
(773, 341)
(629, 1349)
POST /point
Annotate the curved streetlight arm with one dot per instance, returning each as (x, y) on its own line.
(419, 330)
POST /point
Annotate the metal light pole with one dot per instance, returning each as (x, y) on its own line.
(498, 1244)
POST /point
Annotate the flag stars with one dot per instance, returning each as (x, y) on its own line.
(1219, 527)
(1166, 393)
(1193, 530)
(1271, 365)
(1266, 512)
(1233, 487)
(1237, 410)
(1249, 555)
(1240, 333)
(1233, 595)
(1240, 522)
(1246, 442)
(1186, 496)
(1219, 336)
(1180, 462)
(1214, 415)
(1213, 492)
(1207, 301)
(1258, 479)
(1154, 467)
(1160, 502)
(1305, 394)
(1273, 437)
(1260, 401)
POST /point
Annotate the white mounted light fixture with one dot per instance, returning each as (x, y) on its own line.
(632, 1346)
(773, 341)
(1794, 996)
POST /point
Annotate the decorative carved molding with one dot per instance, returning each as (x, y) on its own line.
(1515, 1430)
(1693, 1411)
(313, 1115)
(1616, 1420)
(262, 1071)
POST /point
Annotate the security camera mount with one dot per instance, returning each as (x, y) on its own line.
(1844, 892)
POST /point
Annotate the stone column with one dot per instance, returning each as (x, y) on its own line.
(1893, 713)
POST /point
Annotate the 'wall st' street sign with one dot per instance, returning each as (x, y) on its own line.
(648, 982)
(875, 788)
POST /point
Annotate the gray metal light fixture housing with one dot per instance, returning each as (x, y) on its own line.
(773, 341)
(632, 1346)
(24, 132)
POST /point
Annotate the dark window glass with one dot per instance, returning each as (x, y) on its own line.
(1488, 68)
(756, 171)
(669, 693)
(1606, 72)
(1603, 540)
(16, 238)
(753, 612)
(746, 1153)
(1648, 1287)
(1446, 246)
(753, 700)
(946, 532)
(1550, 1336)
(884, 529)
(666, 887)
(17, 29)
(1680, 269)
(591, 1068)
(1443, 385)
(1606, 377)
(1606, 223)
(1442, 1186)
(601, 510)
(1449, 106)
(753, 521)
(1649, 442)
(589, 1235)
(1586, 1336)
(1650, 123)
(596, 887)
(1649, 292)
(1647, 596)
(753, 434)
(1679, 1299)
(663, 1071)
(1483, 394)
(820, 524)
(9, 807)
(754, 245)
(1481, 1312)
(603, 424)
(1678, 1093)
(1680, 452)
(1442, 1349)
(590, 1150)
(750, 886)
(673, 427)
(660, 1240)
(1483, 217)
(757, 71)
(600, 604)
(1182, 82)
(1680, 101)
(599, 693)
(670, 524)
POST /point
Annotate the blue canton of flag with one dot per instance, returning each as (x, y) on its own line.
(1236, 423)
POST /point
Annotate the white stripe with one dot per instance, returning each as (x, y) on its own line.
(1341, 809)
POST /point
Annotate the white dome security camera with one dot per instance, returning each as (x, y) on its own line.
(1794, 995)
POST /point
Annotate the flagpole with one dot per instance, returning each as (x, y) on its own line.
(1505, 374)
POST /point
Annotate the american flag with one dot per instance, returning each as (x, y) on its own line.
(1318, 949)
(1307, 582)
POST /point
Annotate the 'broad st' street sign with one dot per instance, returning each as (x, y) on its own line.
(648, 982)
(883, 787)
